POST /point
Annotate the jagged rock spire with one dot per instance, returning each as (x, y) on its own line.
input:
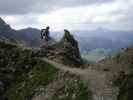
(70, 49)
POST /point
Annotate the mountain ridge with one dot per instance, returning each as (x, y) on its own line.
(24, 76)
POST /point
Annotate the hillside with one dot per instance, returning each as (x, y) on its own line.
(4, 30)
(120, 71)
(89, 40)
(40, 78)
(23, 76)
(28, 37)
(58, 72)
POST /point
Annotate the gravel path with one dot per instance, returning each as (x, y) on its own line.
(98, 82)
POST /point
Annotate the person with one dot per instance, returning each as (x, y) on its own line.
(45, 33)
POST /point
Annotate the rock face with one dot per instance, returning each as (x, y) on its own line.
(13, 61)
(4, 27)
(70, 49)
(4, 30)
(25, 77)
(66, 51)
(120, 71)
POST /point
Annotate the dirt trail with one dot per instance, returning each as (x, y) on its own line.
(98, 82)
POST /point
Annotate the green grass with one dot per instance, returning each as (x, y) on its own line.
(72, 88)
(126, 87)
(24, 87)
(43, 73)
(124, 79)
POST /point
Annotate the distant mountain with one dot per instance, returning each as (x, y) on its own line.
(103, 38)
(100, 38)
(5, 31)
(31, 36)
(107, 40)
(88, 40)
(27, 37)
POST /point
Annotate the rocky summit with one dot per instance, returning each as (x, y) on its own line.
(69, 49)
(65, 51)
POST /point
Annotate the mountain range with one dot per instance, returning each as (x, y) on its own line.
(28, 37)
(88, 40)
(29, 74)
(58, 72)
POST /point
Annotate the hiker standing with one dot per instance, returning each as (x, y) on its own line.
(45, 35)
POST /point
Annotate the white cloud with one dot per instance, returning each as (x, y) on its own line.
(117, 12)
(11, 19)
(67, 15)
(39, 6)
(110, 13)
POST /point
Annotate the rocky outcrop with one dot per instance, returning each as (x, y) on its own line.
(23, 77)
(13, 62)
(66, 51)
(119, 70)
(70, 49)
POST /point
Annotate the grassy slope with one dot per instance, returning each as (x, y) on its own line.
(40, 74)
(24, 87)
(73, 89)
(120, 68)
(125, 82)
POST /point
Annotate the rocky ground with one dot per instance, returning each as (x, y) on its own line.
(24, 76)
(97, 81)
(13, 61)
(55, 73)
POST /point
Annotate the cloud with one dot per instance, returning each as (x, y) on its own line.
(116, 14)
(40, 6)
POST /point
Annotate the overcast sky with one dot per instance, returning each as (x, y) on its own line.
(68, 14)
